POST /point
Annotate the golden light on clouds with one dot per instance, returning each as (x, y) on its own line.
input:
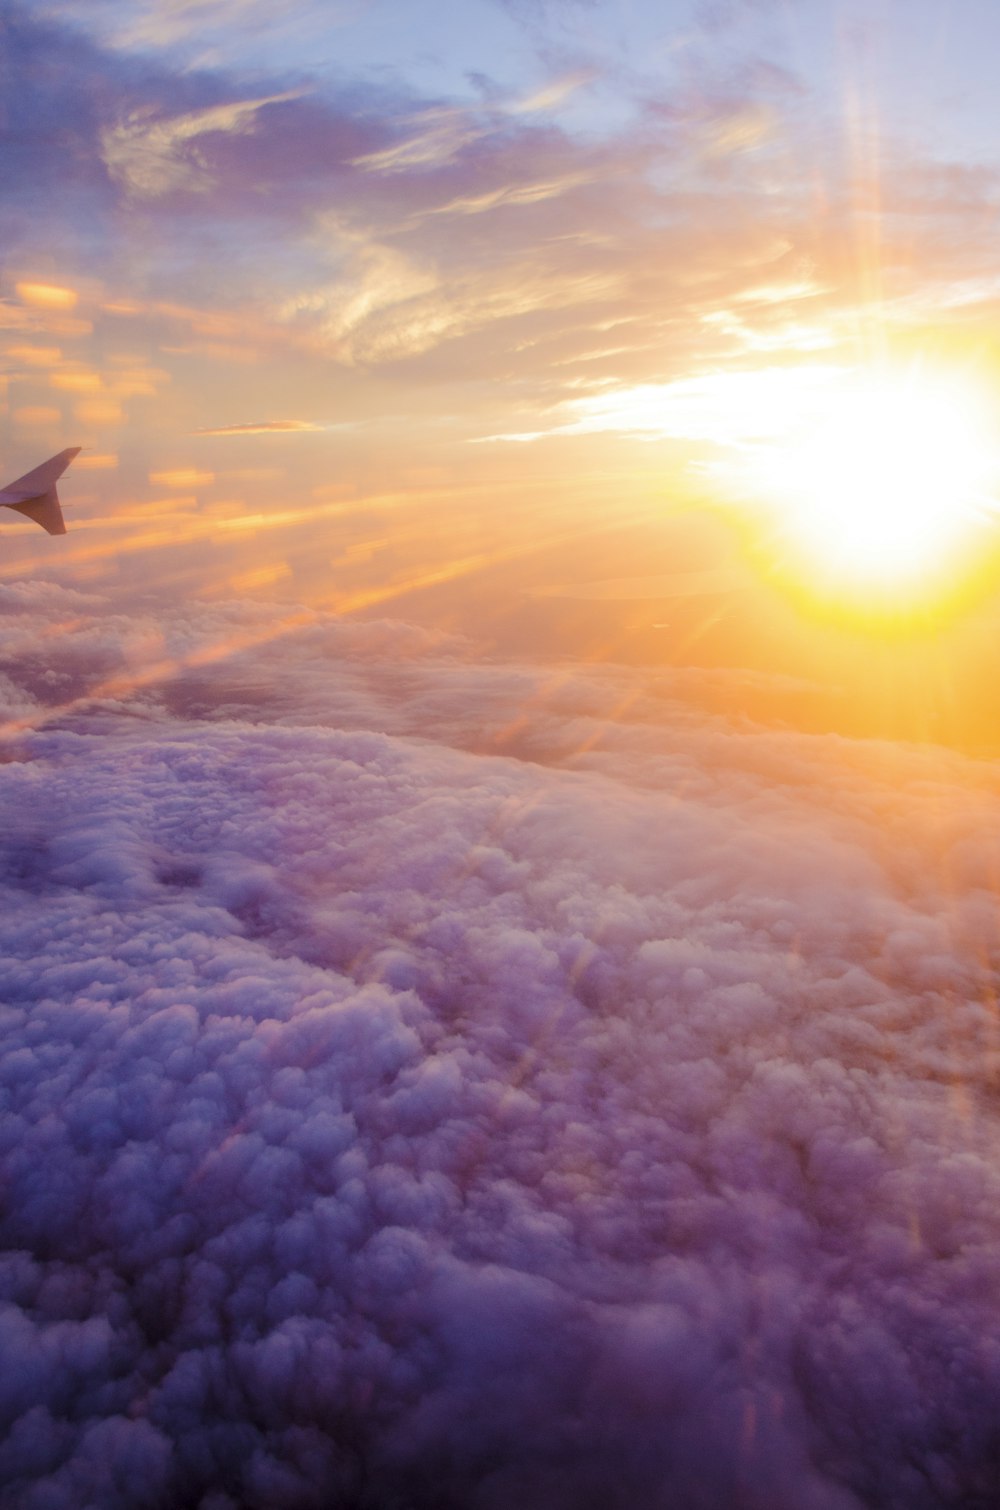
(263, 427)
(157, 508)
(183, 477)
(98, 411)
(36, 356)
(261, 576)
(36, 416)
(96, 461)
(47, 295)
(725, 407)
(76, 382)
(137, 384)
(874, 483)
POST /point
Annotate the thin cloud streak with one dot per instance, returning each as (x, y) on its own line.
(264, 427)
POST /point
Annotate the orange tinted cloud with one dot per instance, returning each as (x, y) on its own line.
(183, 477)
(76, 382)
(36, 416)
(261, 576)
(47, 295)
(262, 427)
(36, 356)
(98, 411)
(97, 461)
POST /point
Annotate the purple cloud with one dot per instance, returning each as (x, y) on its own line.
(387, 1124)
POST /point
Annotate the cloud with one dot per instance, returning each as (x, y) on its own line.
(740, 132)
(721, 580)
(379, 198)
(386, 304)
(390, 1123)
(553, 94)
(401, 310)
(263, 427)
(370, 191)
(439, 136)
(726, 408)
(204, 29)
(141, 128)
(510, 194)
(467, 240)
(435, 136)
(154, 156)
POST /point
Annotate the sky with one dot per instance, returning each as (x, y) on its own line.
(355, 305)
(500, 847)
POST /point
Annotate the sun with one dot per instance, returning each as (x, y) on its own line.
(884, 482)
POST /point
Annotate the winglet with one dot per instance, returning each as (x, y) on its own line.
(43, 477)
(34, 495)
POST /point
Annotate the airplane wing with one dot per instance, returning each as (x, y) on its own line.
(35, 496)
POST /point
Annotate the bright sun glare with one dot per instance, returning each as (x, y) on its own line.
(885, 481)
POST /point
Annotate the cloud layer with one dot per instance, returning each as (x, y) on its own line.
(386, 1124)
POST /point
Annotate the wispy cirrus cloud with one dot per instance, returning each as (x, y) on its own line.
(552, 94)
(152, 156)
(435, 138)
(509, 195)
(201, 31)
(392, 308)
